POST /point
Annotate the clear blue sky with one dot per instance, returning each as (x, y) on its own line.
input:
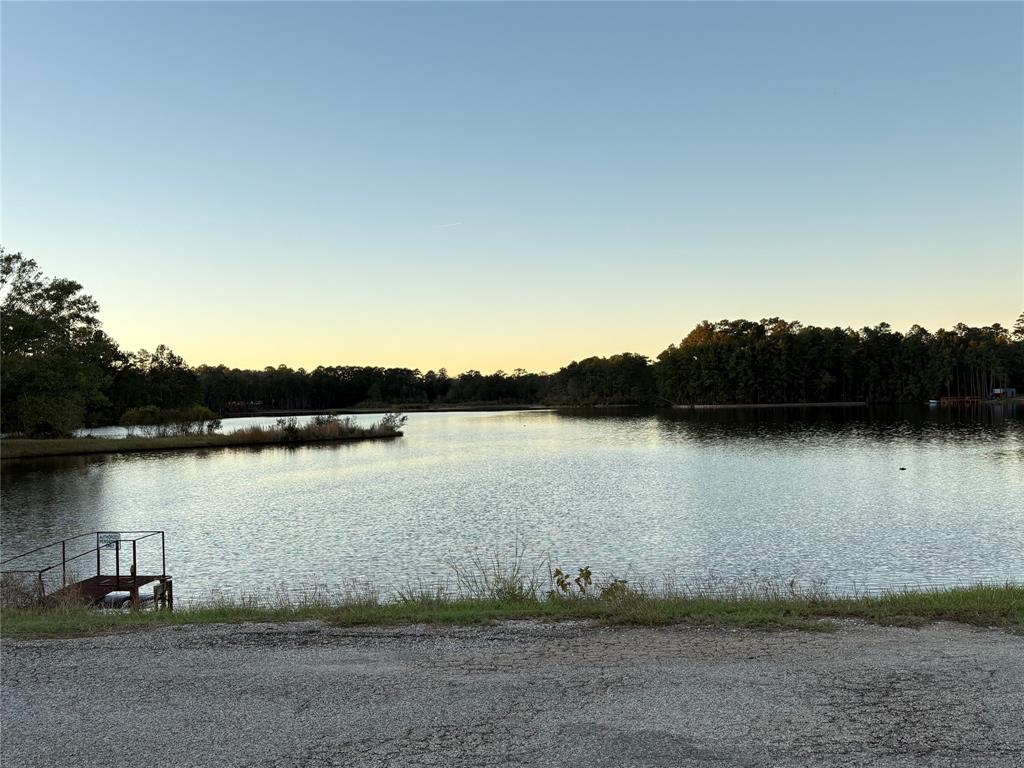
(501, 185)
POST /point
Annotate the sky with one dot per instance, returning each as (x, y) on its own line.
(502, 185)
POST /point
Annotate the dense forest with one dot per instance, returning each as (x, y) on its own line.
(60, 371)
(774, 361)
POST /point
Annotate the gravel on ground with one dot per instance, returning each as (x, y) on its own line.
(515, 694)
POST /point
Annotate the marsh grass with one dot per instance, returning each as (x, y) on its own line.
(499, 578)
(486, 589)
(288, 430)
(285, 432)
(426, 594)
(18, 590)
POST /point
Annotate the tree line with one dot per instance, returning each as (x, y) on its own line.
(59, 370)
(775, 361)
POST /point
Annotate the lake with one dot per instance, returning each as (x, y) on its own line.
(781, 493)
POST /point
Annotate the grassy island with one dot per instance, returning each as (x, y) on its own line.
(322, 429)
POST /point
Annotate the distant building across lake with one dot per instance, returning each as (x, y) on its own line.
(1001, 393)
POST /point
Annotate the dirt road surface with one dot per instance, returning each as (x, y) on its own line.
(518, 694)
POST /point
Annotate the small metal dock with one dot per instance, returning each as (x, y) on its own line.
(53, 572)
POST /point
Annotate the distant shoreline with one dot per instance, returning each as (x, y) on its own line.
(386, 408)
(844, 404)
(730, 406)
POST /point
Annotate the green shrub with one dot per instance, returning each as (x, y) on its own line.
(568, 586)
(289, 429)
(391, 422)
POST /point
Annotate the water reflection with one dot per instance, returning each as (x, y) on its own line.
(867, 495)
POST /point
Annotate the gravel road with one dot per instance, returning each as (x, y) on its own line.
(519, 694)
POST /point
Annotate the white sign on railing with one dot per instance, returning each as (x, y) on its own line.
(109, 540)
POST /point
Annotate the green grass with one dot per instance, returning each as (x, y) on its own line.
(756, 608)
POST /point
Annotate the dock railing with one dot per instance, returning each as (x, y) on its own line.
(55, 575)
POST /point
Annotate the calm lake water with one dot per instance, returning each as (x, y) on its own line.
(815, 493)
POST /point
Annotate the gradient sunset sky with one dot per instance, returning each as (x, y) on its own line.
(484, 185)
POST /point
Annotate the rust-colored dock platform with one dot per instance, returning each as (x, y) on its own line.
(95, 588)
(58, 580)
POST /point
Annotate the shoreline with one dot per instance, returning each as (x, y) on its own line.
(984, 606)
(732, 406)
(397, 408)
(14, 449)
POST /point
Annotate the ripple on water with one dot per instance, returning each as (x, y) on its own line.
(744, 494)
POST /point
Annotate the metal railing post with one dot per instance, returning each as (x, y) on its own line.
(117, 564)
(64, 563)
(134, 586)
(163, 555)
(97, 553)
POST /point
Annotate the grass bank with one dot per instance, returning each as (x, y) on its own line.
(285, 432)
(988, 606)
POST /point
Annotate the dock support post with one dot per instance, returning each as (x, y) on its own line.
(163, 594)
(133, 590)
